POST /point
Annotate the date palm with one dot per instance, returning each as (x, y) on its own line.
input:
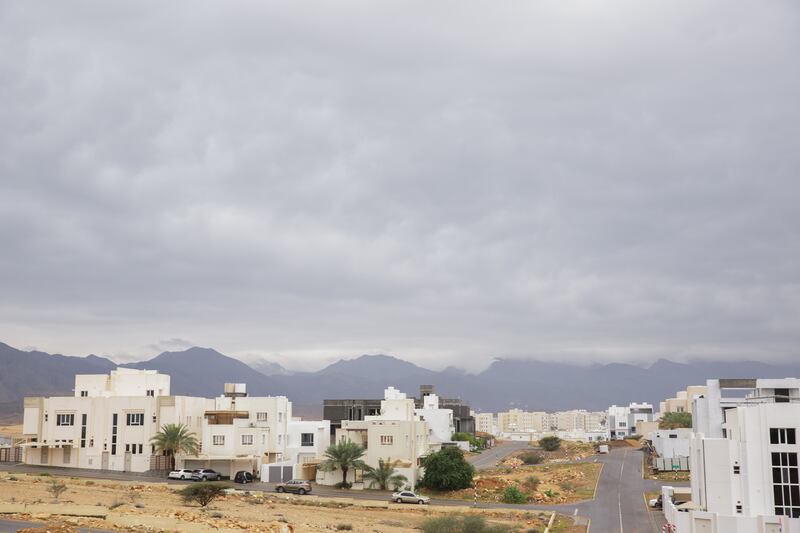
(384, 475)
(344, 456)
(174, 439)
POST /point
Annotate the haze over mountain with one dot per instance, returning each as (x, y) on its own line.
(506, 383)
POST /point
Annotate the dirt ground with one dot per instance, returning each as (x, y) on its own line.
(254, 512)
(553, 483)
(14, 430)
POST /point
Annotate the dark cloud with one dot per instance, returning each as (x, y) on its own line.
(444, 182)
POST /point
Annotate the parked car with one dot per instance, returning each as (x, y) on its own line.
(299, 486)
(180, 473)
(243, 476)
(206, 474)
(409, 497)
(656, 503)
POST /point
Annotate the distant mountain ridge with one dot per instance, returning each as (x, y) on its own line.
(506, 383)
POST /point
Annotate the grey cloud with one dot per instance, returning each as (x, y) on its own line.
(443, 182)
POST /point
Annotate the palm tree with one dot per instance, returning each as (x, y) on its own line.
(385, 475)
(345, 455)
(174, 439)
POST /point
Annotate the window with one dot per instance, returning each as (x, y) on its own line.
(673, 436)
(247, 440)
(279, 439)
(781, 395)
(84, 393)
(261, 417)
(280, 416)
(45, 417)
(387, 440)
(739, 508)
(306, 439)
(83, 430)
(135, 419)
(782, 436)
(785, 484)
(218, 440)
(65, 419)
(737, 469)
(151, 392)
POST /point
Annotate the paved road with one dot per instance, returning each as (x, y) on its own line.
(489, 458)
(618, 507)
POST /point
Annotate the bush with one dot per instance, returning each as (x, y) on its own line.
(467, 524)
(550, 444)
(532, 482)
(344, 527)
(532, 458)
(202, 493)
(513, 495)
(567, 486)
(447, 470)
(675, 420)
(56, 488)
(343, 485)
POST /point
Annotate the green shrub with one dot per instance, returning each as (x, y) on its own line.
(202, 493)
(550, 444)
(343, 485)
(675, 420)
(447, 470)
(532, 458)
(513, 495)
(532, 482)
(344, 527)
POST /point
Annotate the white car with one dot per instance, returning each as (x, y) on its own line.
(407, 496)
(181, 473)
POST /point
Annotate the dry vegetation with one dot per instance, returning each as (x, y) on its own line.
(564, 476)
(159, 507)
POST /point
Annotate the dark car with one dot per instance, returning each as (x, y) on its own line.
(299, 486)
(206, 474)
(243, 476)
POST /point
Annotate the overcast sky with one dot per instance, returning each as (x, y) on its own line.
(447, 182)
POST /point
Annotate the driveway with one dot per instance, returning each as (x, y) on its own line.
(489, 458)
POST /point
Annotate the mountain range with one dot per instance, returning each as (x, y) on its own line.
(527, 384)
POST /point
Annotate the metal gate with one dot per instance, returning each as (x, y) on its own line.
(280, 473)
(11, 455)
(159, 462)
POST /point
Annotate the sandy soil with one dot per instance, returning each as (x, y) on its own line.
(11, 430)
(256, 512)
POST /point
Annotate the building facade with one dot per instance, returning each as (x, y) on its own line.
(744, 459)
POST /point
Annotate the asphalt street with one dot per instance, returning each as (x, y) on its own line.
(618, 507)
(490, 458)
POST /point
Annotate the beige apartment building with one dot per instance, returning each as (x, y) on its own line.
(683, 401)
(519, 421)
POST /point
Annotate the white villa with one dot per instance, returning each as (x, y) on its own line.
(397, 433)
(109, 421)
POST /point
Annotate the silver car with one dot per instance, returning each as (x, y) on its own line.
(407, 496)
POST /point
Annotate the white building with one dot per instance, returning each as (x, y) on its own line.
(440, 421)
(108, 422)
(396, 434)
(622, 420)
(671, 443)
(744, 460)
